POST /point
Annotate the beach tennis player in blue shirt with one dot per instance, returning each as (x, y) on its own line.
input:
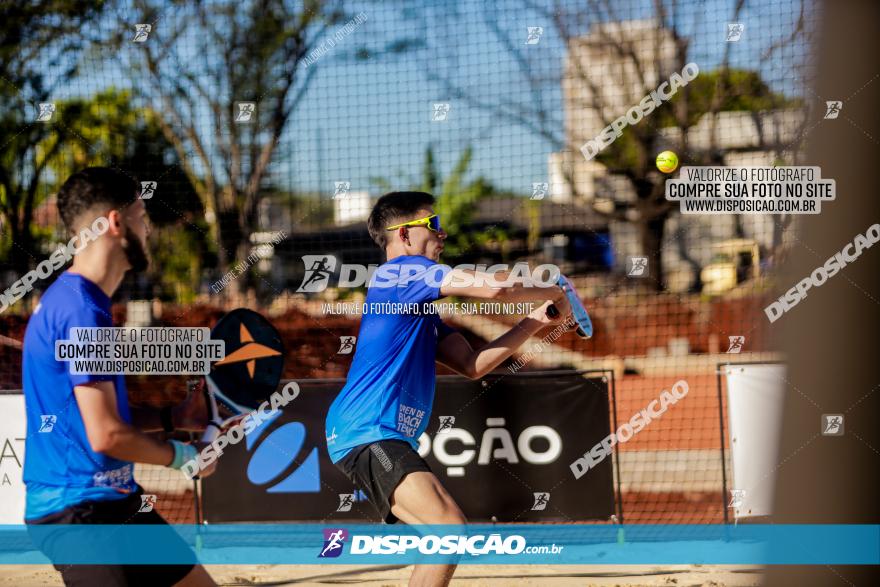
(373, 425)
(83, 438)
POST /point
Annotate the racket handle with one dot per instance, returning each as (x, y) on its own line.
(211, 433)
(552, 311)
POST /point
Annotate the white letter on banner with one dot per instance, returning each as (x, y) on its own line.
(523, 444)
(361, 544)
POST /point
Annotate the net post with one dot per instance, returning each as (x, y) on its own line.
(718, 368)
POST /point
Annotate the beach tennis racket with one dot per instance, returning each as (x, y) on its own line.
(249, 373)
(578, 311)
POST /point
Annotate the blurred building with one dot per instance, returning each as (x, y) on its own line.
(610, 70)
(349, 207)
(572, 236)
(348, 244)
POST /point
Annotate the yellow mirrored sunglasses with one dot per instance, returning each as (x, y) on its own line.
(431, 222)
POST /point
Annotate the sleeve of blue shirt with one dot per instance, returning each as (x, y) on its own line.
(87, 316)
(423, 288)
(424, 285)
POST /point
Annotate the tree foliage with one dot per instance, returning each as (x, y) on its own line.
(203, 61)
(40, 43)
(725, 90)
(457, 199)
(596, 28)
(109, 130)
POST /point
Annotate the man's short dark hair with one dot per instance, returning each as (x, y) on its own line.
(395, 206)
(91, 187)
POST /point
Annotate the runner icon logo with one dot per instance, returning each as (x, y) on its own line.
(334, 541)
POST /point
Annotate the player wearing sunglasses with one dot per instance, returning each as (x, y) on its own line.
(373, 425)
(431, 222)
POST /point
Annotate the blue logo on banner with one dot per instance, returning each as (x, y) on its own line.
(274, 455)
(334, 539)
(581, 544)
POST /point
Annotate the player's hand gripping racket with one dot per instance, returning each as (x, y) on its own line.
(578, 311)
(248, 374)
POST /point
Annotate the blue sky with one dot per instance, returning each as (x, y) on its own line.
(373, 117)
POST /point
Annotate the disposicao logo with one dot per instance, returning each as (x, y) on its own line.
(334, 540)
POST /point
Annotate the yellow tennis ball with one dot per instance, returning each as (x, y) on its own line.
(667, 161)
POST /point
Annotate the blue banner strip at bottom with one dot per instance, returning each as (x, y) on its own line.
(471, 544)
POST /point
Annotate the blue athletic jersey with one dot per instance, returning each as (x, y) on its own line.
(390, 386)
(60, 467)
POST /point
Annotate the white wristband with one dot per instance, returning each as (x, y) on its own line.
(183, 453)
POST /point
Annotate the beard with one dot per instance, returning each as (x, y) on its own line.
(136, 254)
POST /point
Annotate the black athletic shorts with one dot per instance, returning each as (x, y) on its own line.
(117, 511)
(378, 468)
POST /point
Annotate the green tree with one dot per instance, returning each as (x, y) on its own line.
(457, 198)
(111, 131)
(192, 70)
(609, 66)
(457, 203)
(40, 44)
(725, 90)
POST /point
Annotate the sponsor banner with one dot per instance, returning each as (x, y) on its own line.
(511, 436)
(661, 544)
(755, 400)
(12, 435)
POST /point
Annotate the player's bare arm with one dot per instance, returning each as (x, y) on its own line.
(455, 351)
(110, 435)
(470, 283)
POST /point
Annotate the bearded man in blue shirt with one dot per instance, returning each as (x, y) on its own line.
(83, 438)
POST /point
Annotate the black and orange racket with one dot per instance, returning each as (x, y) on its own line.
(249, 372)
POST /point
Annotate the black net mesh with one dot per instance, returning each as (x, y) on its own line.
(270, 131)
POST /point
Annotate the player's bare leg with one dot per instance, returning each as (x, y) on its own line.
(421, 499)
